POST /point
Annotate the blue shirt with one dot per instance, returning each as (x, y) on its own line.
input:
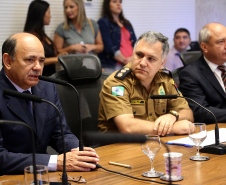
(173, 60)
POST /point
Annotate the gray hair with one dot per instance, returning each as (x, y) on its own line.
(204, 35)
(152, 37)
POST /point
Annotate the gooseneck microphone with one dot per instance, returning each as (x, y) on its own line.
(216, 148)
(169, 96)
(8, 122)
(40, 100)
(65, 83)
(110, 138)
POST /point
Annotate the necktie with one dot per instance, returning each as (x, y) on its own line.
(29, 102)
(223, 74)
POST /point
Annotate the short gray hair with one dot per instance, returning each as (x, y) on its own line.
(204, 35)
(152, 37)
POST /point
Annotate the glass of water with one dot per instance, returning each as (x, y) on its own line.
(41, 173)
(151, 148)
(198, 133)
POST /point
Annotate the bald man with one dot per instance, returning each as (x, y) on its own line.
(23, 60)
(205, 80)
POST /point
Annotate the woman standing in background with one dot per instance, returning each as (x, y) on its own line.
(118, 36)
(37, 17)
(77, 34)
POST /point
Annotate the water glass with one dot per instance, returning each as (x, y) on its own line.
(41, 172)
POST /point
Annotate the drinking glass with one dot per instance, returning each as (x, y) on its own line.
(151, 148)
(41, 172)
(197, 133)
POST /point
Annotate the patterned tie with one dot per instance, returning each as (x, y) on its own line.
(223, 74)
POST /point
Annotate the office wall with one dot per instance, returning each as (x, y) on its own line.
(164, 16)
(209, 11)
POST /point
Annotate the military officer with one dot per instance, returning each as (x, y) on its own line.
(125, 103)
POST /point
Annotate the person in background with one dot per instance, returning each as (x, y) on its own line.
(125, 103)
(118, 36)
(205, 79)
(182, 41)
(23, 60)
(39, 16)
(77, 34)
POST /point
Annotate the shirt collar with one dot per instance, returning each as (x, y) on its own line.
(176, 52)
(212, 66)
(19, 89)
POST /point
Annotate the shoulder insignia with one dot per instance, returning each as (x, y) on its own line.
(121, 74)
(165, 70)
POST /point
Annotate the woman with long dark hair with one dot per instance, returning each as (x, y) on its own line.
(37, 17)
(118, 36)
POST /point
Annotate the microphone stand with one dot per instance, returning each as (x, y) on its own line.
(65, 83)
(38, 99)
(64, 175)
(216, 148)
(7, 122)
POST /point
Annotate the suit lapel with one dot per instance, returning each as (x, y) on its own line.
(20, 108)
(40, 109)
(17, 106)
(209, 75)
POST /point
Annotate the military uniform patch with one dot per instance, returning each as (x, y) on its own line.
(137, 102)
(117, 91)
(161, 90)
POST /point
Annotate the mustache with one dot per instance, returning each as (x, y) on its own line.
(34, 73)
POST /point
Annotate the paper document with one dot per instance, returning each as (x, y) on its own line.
(210, 139)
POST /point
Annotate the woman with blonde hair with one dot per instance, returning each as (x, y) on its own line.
(77, 34)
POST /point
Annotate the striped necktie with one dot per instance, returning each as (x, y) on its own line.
(223, 74)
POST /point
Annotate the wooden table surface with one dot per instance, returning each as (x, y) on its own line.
(212, 172)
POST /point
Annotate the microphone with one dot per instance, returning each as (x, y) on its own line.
(65, 83)
(170, 96)
(7, 122)
(110, 138)
(40, 100)
(216, 148)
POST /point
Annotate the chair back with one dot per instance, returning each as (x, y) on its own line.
(187, 58)
(84, 72)
(190, 57)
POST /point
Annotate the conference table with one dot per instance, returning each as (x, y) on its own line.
(211, 172)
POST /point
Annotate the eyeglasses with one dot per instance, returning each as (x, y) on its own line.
(75, 179)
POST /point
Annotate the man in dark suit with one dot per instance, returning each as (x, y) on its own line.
(204, 81)
(23, 60)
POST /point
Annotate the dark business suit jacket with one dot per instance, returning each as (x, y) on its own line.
(198, 82)
(15, 140)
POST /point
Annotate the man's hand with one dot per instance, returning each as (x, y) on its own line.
(164, 124)
(79, 160)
